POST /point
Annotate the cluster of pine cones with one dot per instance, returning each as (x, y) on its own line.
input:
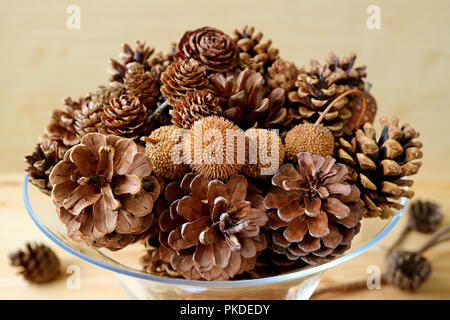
(107, 158)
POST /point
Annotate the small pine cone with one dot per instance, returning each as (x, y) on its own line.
(125, 116)
(318, 213)
(210, 47)
(142, 84)
(282, 74)
(46, 155)
(253, 52)
(61, 127)
(425, 216)
(194, 106)
(160, 61)
(141, 54)
(407, 270)
(38, 262)
(316, 87)
(155, 262)
(182, 76)
(378, 166)
(105, 93)
(212, 228)
(88, 119)
(354, 75)
(90, 108)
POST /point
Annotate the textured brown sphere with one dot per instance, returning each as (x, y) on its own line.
(159, 146)
(254, 138)
(205, 147)
(308, 137)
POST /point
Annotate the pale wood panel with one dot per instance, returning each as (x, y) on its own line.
(41, 62)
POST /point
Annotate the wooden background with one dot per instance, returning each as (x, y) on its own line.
(42, 61)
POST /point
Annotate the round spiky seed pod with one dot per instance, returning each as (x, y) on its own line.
(159, 147)
(208, 148)
(308, 137)
(258, 141)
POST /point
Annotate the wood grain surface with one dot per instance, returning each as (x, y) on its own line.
(42, 61)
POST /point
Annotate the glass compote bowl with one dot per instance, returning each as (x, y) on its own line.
(139, 285)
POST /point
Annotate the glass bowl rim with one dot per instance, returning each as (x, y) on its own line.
(229, 283)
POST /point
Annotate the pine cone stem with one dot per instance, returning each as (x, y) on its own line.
(400, 239)
(356, 91)
(439, 237)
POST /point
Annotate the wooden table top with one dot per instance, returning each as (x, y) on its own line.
(42, 61)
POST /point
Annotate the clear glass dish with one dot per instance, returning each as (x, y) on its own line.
(139, 285)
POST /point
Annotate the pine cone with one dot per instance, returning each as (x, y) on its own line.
(354, 76)
(160, 61)
(407, 270)
(212, 228)
(45, 156)
(154, 263)
(38, 262)
(141, 54)
(194, 105)
(125, 116)
(90, 108)
(316, 87)
(142, 84)
(61, 127)
(246, 101)
(318, 213)
(355, 106)
(211, 48)
(425, 216)
(282, 74)
(103, 191)
(183, 76)
(353, 80)
(378, 166)
(253, 53)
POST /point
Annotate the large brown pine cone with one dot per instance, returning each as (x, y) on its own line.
(141, 54)
(38, 262)
(210, 47)
(142, 84)
(212, 228)
(126, 116)
(253, 52)
(316, 87)
(246, 101)
(379, 166)
(318, 213)
(104, 191)
(41, 162)
(194, 105)
(183, 76)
